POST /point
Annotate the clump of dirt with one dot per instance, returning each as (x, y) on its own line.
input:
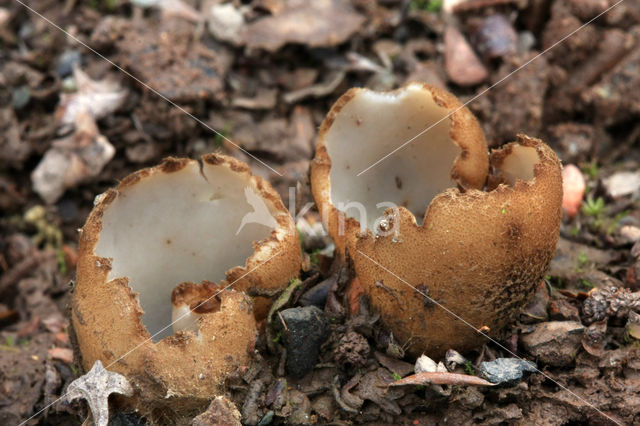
(266, 97)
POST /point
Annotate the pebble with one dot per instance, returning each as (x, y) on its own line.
(461, 63)
(630, 233)
(573, 187)
(495, 37)
(66, 62)
(506, 370)
(317, 295)
(225, 23)
(622, 183)
(20, 97)
(221, 411)
(555, 343)
(306, 329)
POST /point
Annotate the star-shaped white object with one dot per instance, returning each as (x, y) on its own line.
(95, 387)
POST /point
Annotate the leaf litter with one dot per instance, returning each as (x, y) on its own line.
(266, 82)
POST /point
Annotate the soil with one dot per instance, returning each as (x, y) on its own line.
(160, 78)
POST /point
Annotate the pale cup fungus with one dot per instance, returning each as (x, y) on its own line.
(472, 234)
(364, 126)
(144, 248)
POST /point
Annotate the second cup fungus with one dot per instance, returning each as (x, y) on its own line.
(164, 259)
(453, 239)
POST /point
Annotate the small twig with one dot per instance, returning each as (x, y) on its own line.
(441, 378)
(284, 324)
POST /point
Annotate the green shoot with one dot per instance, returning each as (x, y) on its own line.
(593, 208)
(431, 6)
(582, 258)
(591, 170)
(469, 368)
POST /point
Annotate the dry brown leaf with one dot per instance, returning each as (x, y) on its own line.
(320, 23)
(72, 160)
(441, 379)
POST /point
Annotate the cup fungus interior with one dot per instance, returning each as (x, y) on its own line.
(518, 163)
(170, 228)
(370, 126)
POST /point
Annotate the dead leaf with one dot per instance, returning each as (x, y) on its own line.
(225, 22)
(172, 8)
(63, 354)
(13, 150)
(264, 99)
(95, 387)
(354, 293)
(72, 160)
(321, 23)
(321, 89)
(437, 378)
(99, 98)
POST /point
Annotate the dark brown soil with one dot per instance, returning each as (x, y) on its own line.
(266, 86)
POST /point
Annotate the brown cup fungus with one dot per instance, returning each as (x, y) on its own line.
(143, 250)
(472, 232)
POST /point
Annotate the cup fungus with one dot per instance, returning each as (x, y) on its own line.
(142, 250)
(489, 231)
(363, 126)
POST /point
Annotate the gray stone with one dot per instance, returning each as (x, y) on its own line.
(304, 330)
(506, 370)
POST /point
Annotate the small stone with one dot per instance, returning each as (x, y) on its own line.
(424, 364)
(594, 338)
(324, 406)
(495, 37)
(317, 295)
(225, 22)
(506, 370)
(468, 397)
(453, 359)
(20, 97)
(221, 411)
(304, 330)
(622, 183)
(267, 418)
(300, 408)
(461, 64)
(573, 187)
(555, 343)
(62, 354)
(66, 62)
(630, 233)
